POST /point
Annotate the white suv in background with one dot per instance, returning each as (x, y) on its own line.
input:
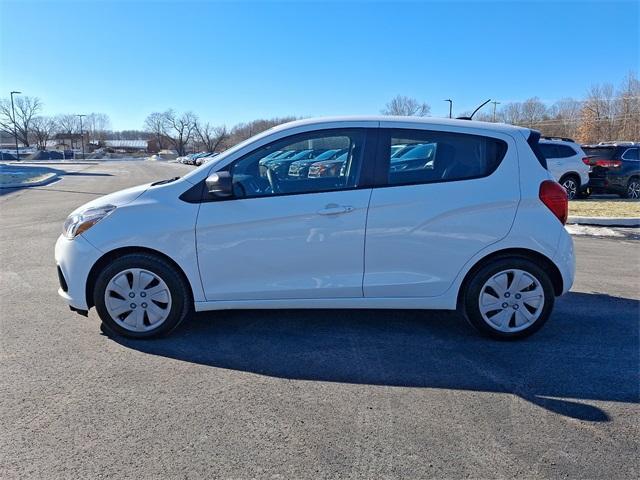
(567, 163)
(474, 224)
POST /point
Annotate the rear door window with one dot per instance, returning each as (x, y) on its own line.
(424, 156)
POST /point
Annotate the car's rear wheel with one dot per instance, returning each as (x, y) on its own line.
(571, 184)
(633, 189)
(584, 193)
(141, 296)
(509, 298)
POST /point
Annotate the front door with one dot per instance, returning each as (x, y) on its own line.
(287, 237)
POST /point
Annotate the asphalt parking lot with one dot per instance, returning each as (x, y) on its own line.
(319, 394)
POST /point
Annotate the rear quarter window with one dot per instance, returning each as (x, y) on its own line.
(565, 151)
(631, 154)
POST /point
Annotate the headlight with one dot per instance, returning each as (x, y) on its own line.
(74, 225)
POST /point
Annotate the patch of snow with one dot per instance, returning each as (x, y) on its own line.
(591, 230)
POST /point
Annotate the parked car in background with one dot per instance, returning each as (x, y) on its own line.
(413, 157)
(568, 164)
(615, 168)
(277, 155)
(280, 165)
(300, 168)
(329, 168)
(479, 229)
(205, 158)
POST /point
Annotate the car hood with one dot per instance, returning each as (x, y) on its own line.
(119, 198)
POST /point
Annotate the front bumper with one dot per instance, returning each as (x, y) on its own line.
(74, 259)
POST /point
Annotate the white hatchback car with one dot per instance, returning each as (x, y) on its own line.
(568, 164)
(476, 225)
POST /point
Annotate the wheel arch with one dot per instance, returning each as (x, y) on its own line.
(537, 257)
(104, 260)
(570, 174)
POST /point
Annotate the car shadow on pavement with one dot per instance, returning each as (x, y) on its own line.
(589, 350)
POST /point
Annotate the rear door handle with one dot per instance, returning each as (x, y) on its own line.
(334, 209)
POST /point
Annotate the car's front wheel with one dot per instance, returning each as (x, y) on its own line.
(509, 298)
(141, 296)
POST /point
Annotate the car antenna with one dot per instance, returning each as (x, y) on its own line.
(470, 117)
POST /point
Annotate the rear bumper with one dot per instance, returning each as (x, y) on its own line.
(74, 259)
(565, 260)
(584, 180)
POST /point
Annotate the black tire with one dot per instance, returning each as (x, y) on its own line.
(584, 193)
(633, 189)
(181, 298)
(571, 184)
(470, 298)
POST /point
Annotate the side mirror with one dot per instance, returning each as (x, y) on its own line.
(220, 184)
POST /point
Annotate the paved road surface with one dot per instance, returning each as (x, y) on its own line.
(314, 394)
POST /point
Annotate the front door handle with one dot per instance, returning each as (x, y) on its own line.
(335, 209)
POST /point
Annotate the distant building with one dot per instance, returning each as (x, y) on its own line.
(154, 146)
(69, 140)
(123, 146)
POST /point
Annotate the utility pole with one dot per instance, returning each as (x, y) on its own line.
(81, 134)
(15, 124)
(450, 106)
(494, 110)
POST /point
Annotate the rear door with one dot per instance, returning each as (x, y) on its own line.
(428, 219)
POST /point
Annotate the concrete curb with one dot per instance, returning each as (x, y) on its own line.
(51, 162)
(46, 181)
(606, 221)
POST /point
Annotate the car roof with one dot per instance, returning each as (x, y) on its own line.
(418, 121)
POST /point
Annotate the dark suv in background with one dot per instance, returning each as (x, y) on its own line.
(615, 168)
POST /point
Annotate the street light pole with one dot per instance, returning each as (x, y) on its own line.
(494, 110)
(15, 124)
(81, 134)
(450, 106)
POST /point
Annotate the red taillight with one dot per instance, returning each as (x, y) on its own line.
(554, 196)
(608, 163)
(586, 161)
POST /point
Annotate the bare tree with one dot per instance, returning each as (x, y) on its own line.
(564, 117)
(598, 114)
(406, 106)
(533, 111)
(156, 124)
(96, 125)
(628, 108)
(26, 108)
(242, 131)
(511, 113)
(43, 129)
(211, 137)
(68, 125)
(179, 129)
